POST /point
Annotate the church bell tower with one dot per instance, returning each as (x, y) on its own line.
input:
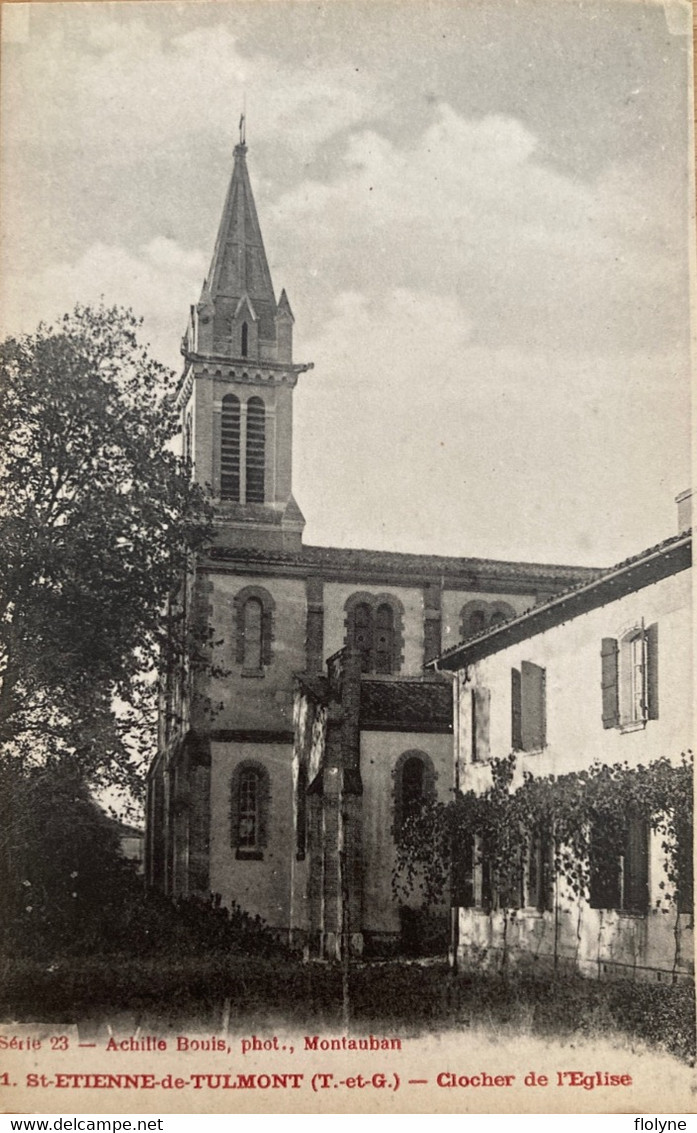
(236, 393)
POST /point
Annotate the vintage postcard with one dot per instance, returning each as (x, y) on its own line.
(346, 660)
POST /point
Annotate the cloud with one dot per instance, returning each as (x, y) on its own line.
(440, 443)
(116, 80)
(156, 280)
(468, 209)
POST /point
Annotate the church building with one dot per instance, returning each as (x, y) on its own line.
(289, 759)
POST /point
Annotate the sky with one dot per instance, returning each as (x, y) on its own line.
(480, 212)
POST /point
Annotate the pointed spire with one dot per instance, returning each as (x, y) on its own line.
(239, 266)
(284, 306)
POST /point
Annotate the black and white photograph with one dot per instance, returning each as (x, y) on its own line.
(346, 678)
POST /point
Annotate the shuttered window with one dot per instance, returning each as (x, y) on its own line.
(481, 709)
(610, 682)
(230, 449)
(256, 450)
(516, 732)
(651, 639)
(635, 866)
(629, 677)
(533, 706)
(462, 879)
(528, 707)
(541, 870)
(685, 864)
(619, 876)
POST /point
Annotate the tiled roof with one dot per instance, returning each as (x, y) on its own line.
(667, 557)
(315, 685)
(396, 562)
(415, 705)
(410, 703)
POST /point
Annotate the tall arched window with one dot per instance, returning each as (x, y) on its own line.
(384, 639)
(256, 450)
(254, 608)
(478, 615)
(412, 787)
(476, 623)
(230, 448)
(248, 820)
(363, 634)
(249, 809)
(187, 439)
(252, 616)
(414, 780)
(374, 626)
(245, 340)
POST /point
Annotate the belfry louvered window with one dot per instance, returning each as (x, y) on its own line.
(256, 450)
(230, 449)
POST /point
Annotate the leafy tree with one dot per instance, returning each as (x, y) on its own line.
(97, 521)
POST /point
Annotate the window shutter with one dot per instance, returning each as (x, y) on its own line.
(462, 881)
(266, 634)
(487, 880)
(532, 725)
(636, 866)
(651, 640)
(541, 870)
(605, 876)
(547, 872)
(609, 682)
(516, 731)
(481, 709)
(685, 863)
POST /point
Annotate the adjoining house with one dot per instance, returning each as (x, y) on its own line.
(225, 808)
(599, 675)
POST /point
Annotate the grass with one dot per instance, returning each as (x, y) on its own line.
(414, 997)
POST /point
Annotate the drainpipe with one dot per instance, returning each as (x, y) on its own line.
(455, 910)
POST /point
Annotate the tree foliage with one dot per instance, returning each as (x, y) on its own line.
(97, 520)
(63, 879)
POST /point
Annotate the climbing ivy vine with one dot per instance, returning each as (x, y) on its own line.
(497, 828)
